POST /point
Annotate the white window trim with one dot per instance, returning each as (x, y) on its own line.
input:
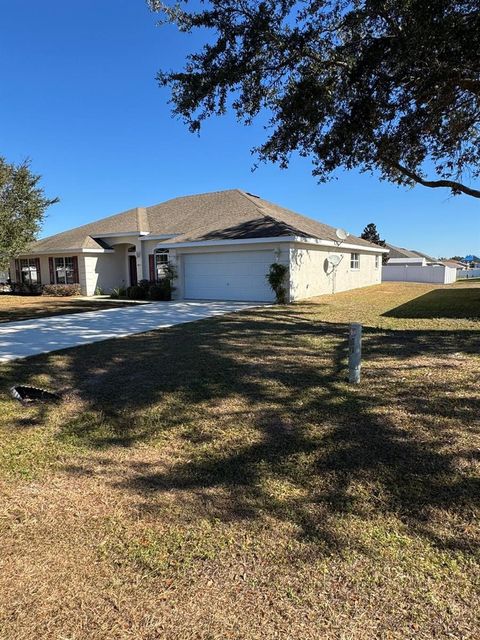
(353, 260)
(55, 270)
(161, 253)
(24, 269)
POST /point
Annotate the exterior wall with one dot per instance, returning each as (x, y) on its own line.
(44, 268)
(148, 247)
(419, 262)
(311, 275)
(103, 270)
(404, 273)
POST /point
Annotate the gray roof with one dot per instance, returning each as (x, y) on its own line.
(400, 252)
(220, 215)
(426, 256)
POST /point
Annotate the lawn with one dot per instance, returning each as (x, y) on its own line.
(220, 479)
(14, 308)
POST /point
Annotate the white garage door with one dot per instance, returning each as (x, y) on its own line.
(235, 275)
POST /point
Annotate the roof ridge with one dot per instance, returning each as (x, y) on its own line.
(250, 198)
(191, 195)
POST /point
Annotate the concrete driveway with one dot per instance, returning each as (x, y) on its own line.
(31, 337)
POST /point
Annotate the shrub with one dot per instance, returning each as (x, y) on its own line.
(276, 279)
(118, 292)
(145, 285)
(61, 290)
(161, 290)
(136, 292)
(23, 289)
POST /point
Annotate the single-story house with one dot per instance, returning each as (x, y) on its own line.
(220, 244)
(399, 255)
(407, 265)
(454, 264)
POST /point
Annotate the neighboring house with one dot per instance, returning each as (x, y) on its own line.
(399, 255)
(454, 264)
(220, 244)
(406, 265)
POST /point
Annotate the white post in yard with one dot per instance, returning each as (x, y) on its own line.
(355, 353)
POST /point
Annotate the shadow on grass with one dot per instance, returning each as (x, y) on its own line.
(260, 400)
(441, 303)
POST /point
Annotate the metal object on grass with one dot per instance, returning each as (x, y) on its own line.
(354, 353)
(32, 395)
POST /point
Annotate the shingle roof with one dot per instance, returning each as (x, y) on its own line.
(231, 214)
(400, 252)
(452, 263)
(424, 255)
(84, 237)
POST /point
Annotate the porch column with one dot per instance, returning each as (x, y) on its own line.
(139, 257)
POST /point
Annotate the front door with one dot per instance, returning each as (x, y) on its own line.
(132, 267)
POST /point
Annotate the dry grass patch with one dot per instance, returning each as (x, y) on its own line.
(16, 308)
(221, 480)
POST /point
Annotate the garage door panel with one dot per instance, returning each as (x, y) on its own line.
(238, 275)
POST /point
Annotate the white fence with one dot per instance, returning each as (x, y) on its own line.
(408, 273)
(471, 273)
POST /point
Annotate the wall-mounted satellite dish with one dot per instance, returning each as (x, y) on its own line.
(341, 234)
(334, 260)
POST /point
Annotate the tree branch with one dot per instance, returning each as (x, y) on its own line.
(456, 187)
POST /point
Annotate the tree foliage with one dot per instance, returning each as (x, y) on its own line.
(384, 85)
(22, 208)
(371, 234)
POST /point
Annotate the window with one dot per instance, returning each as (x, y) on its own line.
(65, 271)
(161, 263)
(29, 271)
(355, 261)
(377, 262)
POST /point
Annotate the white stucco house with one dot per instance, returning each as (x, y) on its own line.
(221, 245)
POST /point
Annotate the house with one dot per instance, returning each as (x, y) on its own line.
(455, 264)
(220, 245)
(399, 255)
(407, 265)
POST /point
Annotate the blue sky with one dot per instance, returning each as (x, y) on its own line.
(78, 96)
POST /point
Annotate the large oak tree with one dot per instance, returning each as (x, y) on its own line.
(391, 85)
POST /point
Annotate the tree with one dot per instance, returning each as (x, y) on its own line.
(22, 209)
(378, 85)
(371, 234)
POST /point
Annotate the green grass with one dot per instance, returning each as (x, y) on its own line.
(221, 479)
(441, 303)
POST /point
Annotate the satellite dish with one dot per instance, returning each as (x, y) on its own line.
(334, 259)
(341, 234)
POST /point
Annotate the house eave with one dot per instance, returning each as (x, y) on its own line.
(120, 235)
(159, 236)
(270, 239)
(68, 250)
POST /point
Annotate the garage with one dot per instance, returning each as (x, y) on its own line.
(228, 275)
